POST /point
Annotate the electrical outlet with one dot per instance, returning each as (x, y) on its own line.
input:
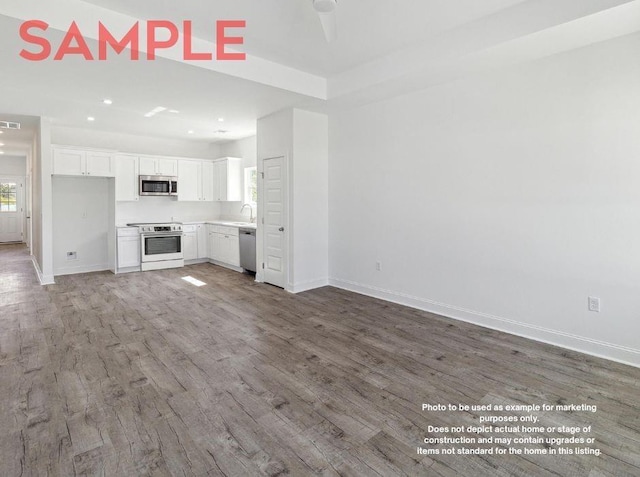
(379, 266)
(594, 304)
(72, 255)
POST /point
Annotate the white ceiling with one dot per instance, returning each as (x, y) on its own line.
(289, 32)
(17, 142)
(384, 48)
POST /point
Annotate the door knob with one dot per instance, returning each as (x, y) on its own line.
(281, 229)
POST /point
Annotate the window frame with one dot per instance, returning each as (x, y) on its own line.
(247, 192)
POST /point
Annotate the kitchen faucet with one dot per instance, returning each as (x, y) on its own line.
(250, 208)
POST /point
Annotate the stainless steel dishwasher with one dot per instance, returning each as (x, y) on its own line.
(248, 249)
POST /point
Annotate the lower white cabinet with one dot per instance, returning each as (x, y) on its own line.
(190, 242)
(224, 245)
(190, 245)
(194, 242)
(203, 237)
(128, 248)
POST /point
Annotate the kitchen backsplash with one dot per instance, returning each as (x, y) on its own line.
(164, 209)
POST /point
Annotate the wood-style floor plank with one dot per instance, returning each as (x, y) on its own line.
(145, 374)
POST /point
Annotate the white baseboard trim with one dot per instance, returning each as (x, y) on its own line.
(196, 261)
(307, 285)
(121, 271)
(600, 349)
(83, 269)
(43, 279)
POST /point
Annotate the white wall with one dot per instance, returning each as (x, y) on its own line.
(274, 139)
(165, 209)
(310, 205)
(302, 138)
(247, 150)
(134, 144)
(42, 221)
(505, 200)
(13, 166)
(81, 220)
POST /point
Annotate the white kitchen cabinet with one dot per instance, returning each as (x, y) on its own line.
(227, 179)
(79, 162)
(189, 181)
(127, 178)
(69, 162)
(201, 231)
(207, 181)
(195, 181)
(158, 166)
(100, 164)
(128, 248)
(224, 245)
(190, 245)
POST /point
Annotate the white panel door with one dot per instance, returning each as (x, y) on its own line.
(274, 221)
(11, 209)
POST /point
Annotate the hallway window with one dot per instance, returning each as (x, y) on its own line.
(8, 197)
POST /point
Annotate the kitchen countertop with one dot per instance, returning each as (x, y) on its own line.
(226, 223)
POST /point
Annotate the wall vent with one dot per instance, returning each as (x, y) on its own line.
(9, 125)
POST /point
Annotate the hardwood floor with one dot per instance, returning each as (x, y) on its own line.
(146, 374)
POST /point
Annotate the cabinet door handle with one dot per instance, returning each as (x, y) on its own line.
(281, 229)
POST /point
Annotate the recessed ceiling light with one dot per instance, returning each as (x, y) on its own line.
(1, 144)
(1, 152)
(190, 132)
(108, 102)
(220, 120)
(1, 132)
(174, 111)
(91, 119)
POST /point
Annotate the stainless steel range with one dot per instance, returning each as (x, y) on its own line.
(161, 246)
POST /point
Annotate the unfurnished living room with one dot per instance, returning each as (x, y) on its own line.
(322, 237)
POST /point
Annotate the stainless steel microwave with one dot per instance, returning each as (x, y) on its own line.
(158, 185)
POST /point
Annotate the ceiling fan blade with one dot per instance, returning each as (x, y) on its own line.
(326, 10)
(329, 25)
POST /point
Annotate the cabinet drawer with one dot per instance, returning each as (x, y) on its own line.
(221, 229)
(189, 228)
(127, 232)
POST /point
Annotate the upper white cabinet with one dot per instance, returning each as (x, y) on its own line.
(158, 166)
(127, 178)
(100, 164)
(227, 179)
(79, 162)
(207, 181)
(195, 180)
(189, 181)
